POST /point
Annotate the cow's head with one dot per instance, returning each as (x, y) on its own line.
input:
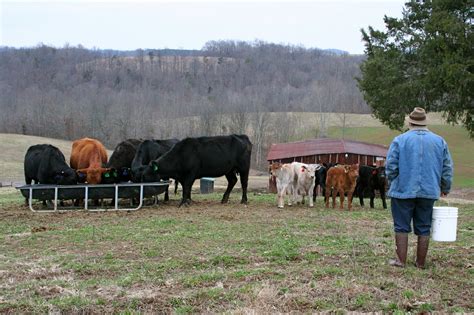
(151, 173)
(352, 171)
(110, 176)
(65, 177)
(92, 175)
(274, 167)
(379, 173)
(81, 176)
(125, 174)
(309, 170)
(137, 174)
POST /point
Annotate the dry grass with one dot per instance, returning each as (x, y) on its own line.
(210, 258)
(13, 148)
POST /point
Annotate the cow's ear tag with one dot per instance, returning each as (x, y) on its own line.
(107, 175)
(155, 167)
(115, 174)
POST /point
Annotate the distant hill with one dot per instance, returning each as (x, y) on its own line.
(336, 51)
(72, 91)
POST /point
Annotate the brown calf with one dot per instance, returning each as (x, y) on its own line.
(341, 179)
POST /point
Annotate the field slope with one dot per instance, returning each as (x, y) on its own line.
(13, 148)
(359, 127)
(460, 146)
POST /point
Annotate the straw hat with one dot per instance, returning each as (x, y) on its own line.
(417, 117)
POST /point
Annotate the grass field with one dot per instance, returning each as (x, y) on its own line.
(212, 258)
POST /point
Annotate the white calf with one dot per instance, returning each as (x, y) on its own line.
(284, 180)
(303, 181)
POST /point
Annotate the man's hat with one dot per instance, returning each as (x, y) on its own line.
(418, 117)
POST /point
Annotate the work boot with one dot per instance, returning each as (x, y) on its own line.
(401, 241)
(421, 251)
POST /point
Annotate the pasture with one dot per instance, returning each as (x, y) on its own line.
(224, 258)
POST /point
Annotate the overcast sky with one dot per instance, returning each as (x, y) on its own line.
(129, 25)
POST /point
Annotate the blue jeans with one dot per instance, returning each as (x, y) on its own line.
(418, 209)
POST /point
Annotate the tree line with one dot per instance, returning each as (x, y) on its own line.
(226, 87)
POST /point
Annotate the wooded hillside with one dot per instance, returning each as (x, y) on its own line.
(227, 87)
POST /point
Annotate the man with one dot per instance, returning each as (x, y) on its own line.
(419, 169)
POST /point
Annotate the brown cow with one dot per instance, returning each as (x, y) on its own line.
(342, 179)
(87, 157)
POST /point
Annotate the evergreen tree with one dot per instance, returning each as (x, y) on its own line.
(423, 59)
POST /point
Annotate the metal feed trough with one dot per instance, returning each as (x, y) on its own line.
(115, 191)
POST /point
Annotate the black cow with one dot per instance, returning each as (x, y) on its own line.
(45, 164)
(120, 162)
(371, 179)
(148, 151)
(193, 158)
(320, 180)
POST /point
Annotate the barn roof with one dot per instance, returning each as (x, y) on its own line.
(323, 146)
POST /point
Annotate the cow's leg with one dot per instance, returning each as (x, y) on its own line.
(326, 197)
(175, 187)
(315, 193)
(382, 195)
(280, 197)
(294, 194)
(360, 192)
(334, 195)
(310, 196)
(244, 181)
(349, 200)
(187, 187)
(289, 192)
(372, 197)
(231, 181)
(341, 197)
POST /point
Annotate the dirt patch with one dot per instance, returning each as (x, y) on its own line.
(38, 229)
(462, 194)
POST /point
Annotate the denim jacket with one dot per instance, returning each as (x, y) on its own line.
(418, 165)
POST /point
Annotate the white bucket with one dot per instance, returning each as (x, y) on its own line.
(444, 224)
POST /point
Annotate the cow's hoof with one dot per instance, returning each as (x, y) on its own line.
(185, 203)
(280, 207)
